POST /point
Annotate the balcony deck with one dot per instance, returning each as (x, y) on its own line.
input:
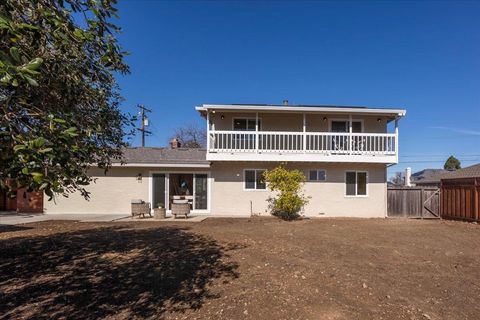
(302, 146)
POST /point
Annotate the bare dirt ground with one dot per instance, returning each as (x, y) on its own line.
(241, 269)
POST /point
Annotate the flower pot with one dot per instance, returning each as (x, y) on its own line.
(159, 213)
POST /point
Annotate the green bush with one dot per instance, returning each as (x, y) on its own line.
(289, 198)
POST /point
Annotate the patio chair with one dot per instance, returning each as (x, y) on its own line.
(140, 208)
(182, 209)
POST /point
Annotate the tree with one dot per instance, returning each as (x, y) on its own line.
(191, 136)
(289, 198)
(398, 179)
(59, 98)
(452, 163)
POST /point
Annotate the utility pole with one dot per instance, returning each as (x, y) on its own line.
(144, 123)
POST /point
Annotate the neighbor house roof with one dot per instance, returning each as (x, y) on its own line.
(150, 157)
(468, 172)
(428, 176)
(392, 112)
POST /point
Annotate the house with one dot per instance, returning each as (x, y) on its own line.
(25, 201)
(343, 151)
(460, 194)
(428, 177)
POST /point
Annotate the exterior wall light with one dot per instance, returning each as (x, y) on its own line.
(222, 117)
(324, 119)
(139, 177)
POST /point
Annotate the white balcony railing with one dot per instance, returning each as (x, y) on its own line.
(303, 142)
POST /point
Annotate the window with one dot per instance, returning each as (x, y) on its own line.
(356, 183)
(254, 179)
(317, 175)
(245, 124)
(342, 126)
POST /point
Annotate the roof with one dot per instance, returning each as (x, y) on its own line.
(164, 156)
(428, 176)
(394, 112)
(468, 172)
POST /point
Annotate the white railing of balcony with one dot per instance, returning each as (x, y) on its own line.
(303, 142)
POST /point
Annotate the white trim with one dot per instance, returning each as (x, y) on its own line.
(243, 180)
(299, 157)
(312, 109)
(167, 188)
(356, 185)
(162, 165)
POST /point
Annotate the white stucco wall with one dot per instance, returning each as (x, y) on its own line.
(110, 193)
(113, 192)
(327, 198)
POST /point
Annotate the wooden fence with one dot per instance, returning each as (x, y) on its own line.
(413, 202)
(461, 199)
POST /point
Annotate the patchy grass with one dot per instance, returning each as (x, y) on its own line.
(241, 268)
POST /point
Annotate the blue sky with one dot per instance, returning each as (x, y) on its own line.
(422, 56)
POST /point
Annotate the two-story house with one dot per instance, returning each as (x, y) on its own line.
(343, 151)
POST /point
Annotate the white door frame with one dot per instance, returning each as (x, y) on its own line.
(167, 188)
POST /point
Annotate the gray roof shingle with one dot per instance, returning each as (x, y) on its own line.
(149, 155)
(428, 176)
(468, 172)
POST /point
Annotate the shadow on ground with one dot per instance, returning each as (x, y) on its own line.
(11, 228)
(109, 271)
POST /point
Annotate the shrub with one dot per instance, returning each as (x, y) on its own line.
(289, 198)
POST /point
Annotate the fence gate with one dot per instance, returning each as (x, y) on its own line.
(413, 202)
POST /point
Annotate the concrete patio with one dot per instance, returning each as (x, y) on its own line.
(13, 218)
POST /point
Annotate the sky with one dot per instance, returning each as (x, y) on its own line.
(422, 56)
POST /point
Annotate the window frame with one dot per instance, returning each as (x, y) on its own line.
(255, 181)
(317, 180)
(356, 195)
(247, 118)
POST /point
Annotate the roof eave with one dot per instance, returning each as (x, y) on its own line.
(398, 113)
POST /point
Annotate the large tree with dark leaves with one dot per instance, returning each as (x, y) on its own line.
(59, 99)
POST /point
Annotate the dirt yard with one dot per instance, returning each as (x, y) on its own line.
(241, 269)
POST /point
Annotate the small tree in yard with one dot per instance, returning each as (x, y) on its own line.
(289, 200)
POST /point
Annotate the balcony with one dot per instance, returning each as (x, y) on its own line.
(302, 146)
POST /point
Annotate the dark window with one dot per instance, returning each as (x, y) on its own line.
(254, 180)
(245, 124)
(342, 126)
(356, 183)
(351, 182)
(249, 179)
(317, 175)
(361, 183)
(259, 179)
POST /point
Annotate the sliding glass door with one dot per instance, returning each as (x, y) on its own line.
(159, 193)
(191, 188)
(200, 192)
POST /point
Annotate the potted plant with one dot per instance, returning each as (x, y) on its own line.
(159, 211)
